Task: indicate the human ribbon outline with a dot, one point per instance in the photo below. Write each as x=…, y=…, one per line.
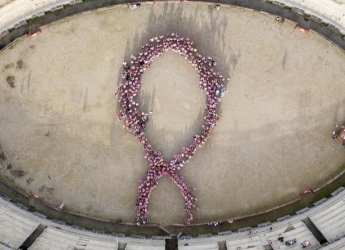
x=211, y=82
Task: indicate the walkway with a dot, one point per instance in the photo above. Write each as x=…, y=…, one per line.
x=17, y=11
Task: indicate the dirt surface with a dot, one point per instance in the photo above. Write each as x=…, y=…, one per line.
x=4, y=2
x=58, y=131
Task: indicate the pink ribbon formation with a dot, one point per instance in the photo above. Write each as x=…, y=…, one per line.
x=211, y=82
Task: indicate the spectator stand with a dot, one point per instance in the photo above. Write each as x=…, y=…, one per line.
x=145, y=246
x=4, y=247
x=336, y=245
x=297, y=231
x=14, y=228
x=287, y=226
x=331, y=220
x=328, y=11
x=15, y=13
x=199, y=246
x=60, y=228
x=59, y=239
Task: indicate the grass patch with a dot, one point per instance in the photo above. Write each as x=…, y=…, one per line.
x=33, y=20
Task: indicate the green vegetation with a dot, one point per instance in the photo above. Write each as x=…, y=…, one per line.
x=33, y=20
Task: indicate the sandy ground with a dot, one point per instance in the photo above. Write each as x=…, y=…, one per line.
x=58, y=131
x=4, y=2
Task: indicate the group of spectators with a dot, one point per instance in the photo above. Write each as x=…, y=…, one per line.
x=214, y=224
x=339, y=133
x=211, y=82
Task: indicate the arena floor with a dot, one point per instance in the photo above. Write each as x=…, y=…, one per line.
x=59, y=132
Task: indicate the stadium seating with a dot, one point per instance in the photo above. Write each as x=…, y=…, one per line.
x=297, y=231
x=337, y=245
x=3, y=247
x=53, y=238
x=199, y=246
x=260, y=239
x=144, y=246
x=254, y=242
x=14, y=228
x=331, y=221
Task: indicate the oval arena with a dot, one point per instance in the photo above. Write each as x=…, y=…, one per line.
x=70, y=169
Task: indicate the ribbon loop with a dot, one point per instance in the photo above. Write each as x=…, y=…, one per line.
x=211, y=82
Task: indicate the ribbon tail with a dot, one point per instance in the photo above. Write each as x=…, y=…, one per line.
x=186, y=193
x=144, y=192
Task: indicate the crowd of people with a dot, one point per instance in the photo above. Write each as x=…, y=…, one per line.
x=280, y=19
x=214, y=224
x=339, y=133
x=211, y=82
